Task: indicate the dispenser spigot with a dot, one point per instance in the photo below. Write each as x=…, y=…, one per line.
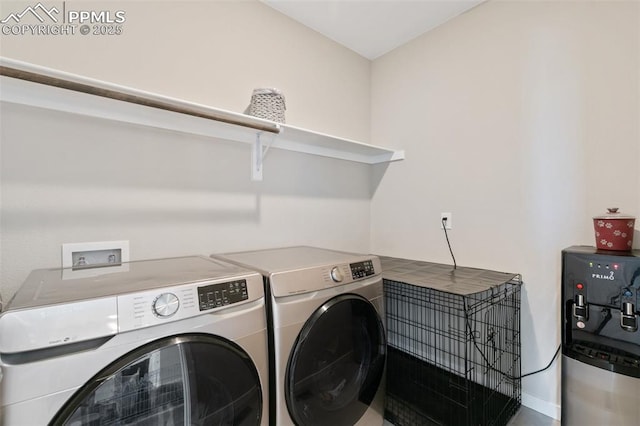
x=580, y=310
x=628, y=320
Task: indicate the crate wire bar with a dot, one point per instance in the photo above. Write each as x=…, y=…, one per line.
x=454, y=344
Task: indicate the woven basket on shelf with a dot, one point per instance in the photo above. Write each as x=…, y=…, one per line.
x=267, y=104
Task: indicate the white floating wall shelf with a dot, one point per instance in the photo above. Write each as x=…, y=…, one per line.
x=28, y=84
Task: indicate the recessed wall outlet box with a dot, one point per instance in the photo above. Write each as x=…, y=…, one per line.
x=95, y=255
x=447, y=217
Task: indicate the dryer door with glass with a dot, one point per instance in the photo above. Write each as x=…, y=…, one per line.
x=337, y=363
x=192, y=379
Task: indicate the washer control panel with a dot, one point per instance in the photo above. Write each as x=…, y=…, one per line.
x=362, y=269
x=336, y=275
x=153, y=307
x=165, y=305
x=216, y=295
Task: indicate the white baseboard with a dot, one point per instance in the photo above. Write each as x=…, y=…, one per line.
x=545, y=407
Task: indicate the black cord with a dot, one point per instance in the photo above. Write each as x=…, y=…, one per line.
x=473, y=337
x=475, y=343
x=542, y=369
x=444, y=226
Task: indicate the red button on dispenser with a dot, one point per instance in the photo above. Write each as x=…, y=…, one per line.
x=579, y=286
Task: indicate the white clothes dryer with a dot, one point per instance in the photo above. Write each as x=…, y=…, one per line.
x=328, y=337
x=158, y=342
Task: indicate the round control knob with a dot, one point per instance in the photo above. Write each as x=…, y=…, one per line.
x=336, y=275
x=166, y=305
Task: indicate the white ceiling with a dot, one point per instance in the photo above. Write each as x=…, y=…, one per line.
x=372, y=27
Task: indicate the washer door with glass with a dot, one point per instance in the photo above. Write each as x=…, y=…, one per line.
x=336, y=364
x=193, y=379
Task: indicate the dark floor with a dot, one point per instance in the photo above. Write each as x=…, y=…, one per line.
x=524, y=417
x=528, y=417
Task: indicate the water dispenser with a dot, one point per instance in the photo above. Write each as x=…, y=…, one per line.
x=600, y=337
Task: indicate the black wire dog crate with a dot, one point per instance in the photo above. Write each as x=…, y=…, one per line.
x=453, y=344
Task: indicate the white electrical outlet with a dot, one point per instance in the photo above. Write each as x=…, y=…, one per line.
x=448, y=217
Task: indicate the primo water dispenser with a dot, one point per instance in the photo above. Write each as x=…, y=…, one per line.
x=600, y=337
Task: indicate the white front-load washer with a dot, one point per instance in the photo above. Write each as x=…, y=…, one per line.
x=327, y=335
x=157, y=342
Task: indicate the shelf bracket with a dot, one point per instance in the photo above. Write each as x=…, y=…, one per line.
x=258, y=153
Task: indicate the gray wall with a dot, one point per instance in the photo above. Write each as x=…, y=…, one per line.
x=67, y=178
x=522, y=119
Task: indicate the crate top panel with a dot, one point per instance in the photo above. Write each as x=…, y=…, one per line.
x=462, y=280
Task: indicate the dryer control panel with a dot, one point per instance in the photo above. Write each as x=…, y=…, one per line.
x=317, y=278
x=362, y=269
